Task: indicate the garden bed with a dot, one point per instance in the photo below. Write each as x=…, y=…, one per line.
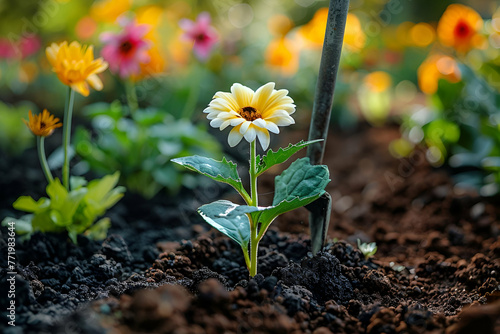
x=161, y=270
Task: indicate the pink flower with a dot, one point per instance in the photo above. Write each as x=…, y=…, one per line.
x=201, y=33
x=7, y=49
x=29, y=45
x=126, y=51
x=22, y=48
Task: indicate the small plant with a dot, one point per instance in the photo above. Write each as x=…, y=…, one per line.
x=72, y=205
x=368, y=249
x=154, y=136
x=253, y=115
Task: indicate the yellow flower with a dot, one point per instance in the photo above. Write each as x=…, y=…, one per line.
x=378, y=81
x=354, y=36
x=279, y=25
x=75, y=66
x=109, y=10
x=314, y=31
x=459, y=27
x=253, y=114
x=283, y=55
x=422, y=34
x=434, y=68
x=42, y=124
x=155, y=66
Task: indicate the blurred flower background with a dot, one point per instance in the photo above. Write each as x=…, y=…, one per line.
x=431, y=66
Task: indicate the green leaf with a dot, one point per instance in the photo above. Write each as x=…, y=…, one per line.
x=230, y=219
x=221, y=171
x=299, y=185
x=22, y=225
x=300, y=180
x=99, y=230
x=28, y=204
x=77, y=182
x=283, y=154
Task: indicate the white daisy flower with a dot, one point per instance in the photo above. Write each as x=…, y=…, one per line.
x=252, y=114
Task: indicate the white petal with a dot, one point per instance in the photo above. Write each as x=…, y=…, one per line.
x=242, y=94
x=278, y=113
x=234, y=137
x=225, y=124
x=237, y=121
x=225, y=114
x=262, y=95
x=282, y=120
x=220, y=104
x=272, y=127
x=244, y=127
x=213, y=114
x=264, y=138
x=259, y=122
x=215, y=123
x=250, y=134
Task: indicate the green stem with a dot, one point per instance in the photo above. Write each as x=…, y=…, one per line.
x=254, y=247
x=40, y=141
x=68, y=115
x=253, y=173
x=131, y=96
x=245, y=254
x=254, y=241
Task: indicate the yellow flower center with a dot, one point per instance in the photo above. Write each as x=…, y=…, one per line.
x=249, y=113
x=42, y=125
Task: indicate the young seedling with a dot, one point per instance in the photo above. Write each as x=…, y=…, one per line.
x=368, y=249
x=253, y=115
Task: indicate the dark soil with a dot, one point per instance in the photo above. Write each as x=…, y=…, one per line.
x=436, y=270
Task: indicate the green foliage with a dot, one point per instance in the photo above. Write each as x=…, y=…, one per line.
x=74, y=211
x=221, y=171
x=140, y=147
x=299, y=185
x=230, y=219
x=283, y=154
x=462, y=129
x=15, y=137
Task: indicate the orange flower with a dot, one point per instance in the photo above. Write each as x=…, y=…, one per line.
x=109, y=10
x=378, y=81
x=314, y=31
x=434, y=68
x=354, y=36
x=75, y=66
x=459, y=28
x=43, y=124
x=156, y=65
x=282, y=54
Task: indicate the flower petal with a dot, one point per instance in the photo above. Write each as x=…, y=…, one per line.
x=262, y=95
x=264, y=138
x=250, y=134
x=242, y=94
x=244, y=127
x=234, y=137
x=272, y=127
